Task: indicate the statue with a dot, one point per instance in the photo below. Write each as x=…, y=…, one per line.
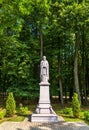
x=44, y=111
x=44, y=70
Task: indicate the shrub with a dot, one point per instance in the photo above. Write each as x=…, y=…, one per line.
x=10, y=105
x=86, y=115
x=76, y=106
x=67, y=111
x=2, y=114
x=23, y=110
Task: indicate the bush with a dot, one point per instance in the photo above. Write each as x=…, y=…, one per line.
x=23, y=110
x=76, y=106
x=86, y=115
x=67, y=111
x=10, y=105
x=2, y=114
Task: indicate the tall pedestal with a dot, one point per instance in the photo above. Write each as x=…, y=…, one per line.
x=44, y=111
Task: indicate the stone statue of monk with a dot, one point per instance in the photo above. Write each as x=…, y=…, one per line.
x=44, y=70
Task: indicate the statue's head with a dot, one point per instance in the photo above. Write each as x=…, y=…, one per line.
x=44, y=57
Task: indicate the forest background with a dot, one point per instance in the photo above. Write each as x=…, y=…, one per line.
x=58, y=29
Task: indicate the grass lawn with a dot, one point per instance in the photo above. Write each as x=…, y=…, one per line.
x=17, y=117
x=57, y=108
x=69, y=116
x=14, y=118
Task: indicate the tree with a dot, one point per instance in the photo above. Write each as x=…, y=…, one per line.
x=41, y=11
x=10, y=105
x=76, y=106
x=57, y=29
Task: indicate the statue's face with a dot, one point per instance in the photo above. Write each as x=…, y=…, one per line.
x=44, y=57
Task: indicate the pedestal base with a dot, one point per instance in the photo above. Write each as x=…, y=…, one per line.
x=44, y=118
x=44, y=111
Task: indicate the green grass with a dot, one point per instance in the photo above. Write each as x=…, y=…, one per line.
x=69, y=117
x=56, y=107
x=15, y=118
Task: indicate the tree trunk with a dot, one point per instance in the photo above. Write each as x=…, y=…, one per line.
x=76, y=80
x=65, y=78
x=87, y=77
x=84, y=66
x=41, y=41
x=60, y=81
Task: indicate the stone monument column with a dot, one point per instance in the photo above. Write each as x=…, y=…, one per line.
x=44, y=111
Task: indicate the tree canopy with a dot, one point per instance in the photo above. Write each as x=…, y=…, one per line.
x=58, y=29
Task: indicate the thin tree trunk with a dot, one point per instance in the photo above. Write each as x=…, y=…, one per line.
x=65, y=81
x=41, y=41
x=76, y=80
x=60, y=82
x=87, y=76
x=71, y=88
x=83, y=66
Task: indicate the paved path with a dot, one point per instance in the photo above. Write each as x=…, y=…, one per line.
x=26, y=125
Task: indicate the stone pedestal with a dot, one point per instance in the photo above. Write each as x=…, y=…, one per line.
x=44, y=111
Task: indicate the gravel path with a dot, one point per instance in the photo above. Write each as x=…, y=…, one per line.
x=60, y=125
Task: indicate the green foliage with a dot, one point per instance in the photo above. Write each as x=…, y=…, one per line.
x=2, y=114
x=10, y=105
x=21, y=24
x=86, y=115
x=76, y=106
x=23, y=110
x=68, y=111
